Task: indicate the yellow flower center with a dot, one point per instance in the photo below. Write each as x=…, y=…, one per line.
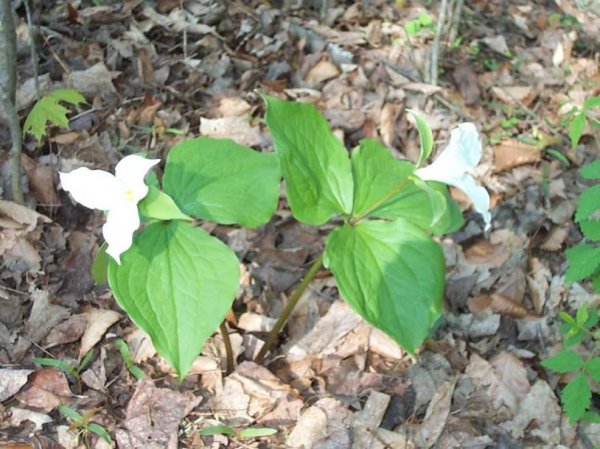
x=129, y=195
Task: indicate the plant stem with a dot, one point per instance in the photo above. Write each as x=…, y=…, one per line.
x=313, y=270
x=228, y=347
x=8, y=82
x=383, y=200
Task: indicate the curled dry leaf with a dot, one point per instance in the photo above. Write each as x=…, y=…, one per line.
x=97, y=324
x=498, y=303
x=11, y=381
x=555, y=238
x=511, y=153
x=47, y=389
x=324, y=70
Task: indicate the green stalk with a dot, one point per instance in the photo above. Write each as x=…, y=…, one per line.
x=228, y=347
x=313, y=270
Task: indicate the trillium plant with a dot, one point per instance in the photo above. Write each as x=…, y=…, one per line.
x=177, y=282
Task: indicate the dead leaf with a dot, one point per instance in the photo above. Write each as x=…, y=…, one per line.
x=44, y=315
x=18, y=416
x=233, y=107
x=512, y=372
x=23, y=216
x=98, y=322
x=47, y=388
x=254, y=322
x=41, y=180
x=498, y=44
x=324, y=70
x=152, y=417
x=237, y=128
x=11, y=381
x=68, y=331
x=511, y=153
x=466, y=80
x=437, y=414
x=539, y=407
x=498, y=303
x=538, y=282
x=484, y=252
x=324, y=424
x=92, y=81
x=515, y=95
x=555, y=238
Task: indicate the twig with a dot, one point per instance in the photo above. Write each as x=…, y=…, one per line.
x=314, y=269
x=33, y=49
x=228, y=347
x=8, y=87
x=455, y=21
x=435, y=46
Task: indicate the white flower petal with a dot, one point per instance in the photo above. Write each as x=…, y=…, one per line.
x=121, y=223
x=130, y=172
x=453, y=164
x=95, y=189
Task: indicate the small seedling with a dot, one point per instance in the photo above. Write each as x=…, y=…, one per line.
x=48, y=110
x=579, y=117
x=423, y=22
x=83, y=423
x=244, y=434
x=129, y=363
x=72, y=370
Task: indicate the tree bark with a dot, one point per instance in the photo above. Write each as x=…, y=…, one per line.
x=8, y=89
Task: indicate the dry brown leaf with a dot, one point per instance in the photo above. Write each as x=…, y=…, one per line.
x=44, y=316
x=25, y=217
x=11, y=381
x=484, y=252
x=47, y=389
x=237, y=128
x=512, y=372
x=254, y=322
x=233, y=107
x=511, y=153
x=485, y=377
x=466, y=80
x=68, y=331
x=152, y=417
x=538, y=415
x=92, y=81
x=538, y=282
x=498, y=303
x=437, y=414
x=41, y=180
x=324, y=70
x=387, y=123
x=97, y=324
x=555, y=238
x=515, y=95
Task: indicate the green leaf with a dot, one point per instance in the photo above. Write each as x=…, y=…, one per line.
x=588, y=203
x=583, y=261
x=425, y=19
x=160, y=206
x=596, y=282
x=425, y=136
x=576, y=398
x=256, y=432
x=420, y=203
x=564, y=361
x=567, y=318
x=591, y=417
x=392, y=274
x=590, y=229
x=593, y=102
x=176, y=283
x=314, y=163
x=129, y=363
x=100, y=431
x=582, y=315
x=376, y=176
x=48, y=109
x=591, y=171
x=219, y=429
x=593, y=368
x=576, y=128
x=70, y=413
x=100, y=266
x=221, y=181
x=412, y=27
x=56, y=363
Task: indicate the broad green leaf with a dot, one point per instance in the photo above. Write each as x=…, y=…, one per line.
x=425, y=19
x=588, y=203
x=576, y=398
x=221, y=181
x=100, y=266
x=412, y=27
x=593, y=102
x=160, y=206
x=176, y=283
x=564, y=361
x=582, y=315
x=314, y=163
x=219, y=429
x=590, y=229
x=425, y=137
x=48, y=109
x=591, y=417
x=591, y=171
x=596, y=282
x=392, y=274
x=576, y=128
x=256, y=432
x=593, y=368
x=420, y=203
x=100, y=431
x=378, y=176
x=583, y=261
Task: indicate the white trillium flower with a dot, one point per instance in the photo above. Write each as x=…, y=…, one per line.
x=453, y=164
x=118, y=194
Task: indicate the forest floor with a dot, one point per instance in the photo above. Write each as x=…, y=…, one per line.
x=156, y=73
